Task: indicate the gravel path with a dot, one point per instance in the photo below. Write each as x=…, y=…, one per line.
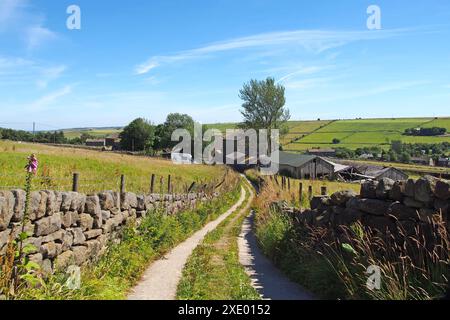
x=160, y=280
x=266, y=278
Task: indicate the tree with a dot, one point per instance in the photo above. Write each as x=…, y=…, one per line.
x=174, y=121
x=405, y=157
x=336, y=141
x=264, y=105
x=397, y=146
x=138, y=136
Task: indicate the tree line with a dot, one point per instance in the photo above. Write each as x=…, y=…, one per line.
x=426, y=132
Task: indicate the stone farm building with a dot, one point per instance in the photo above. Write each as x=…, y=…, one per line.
x=305, y=166
x=95, y=143
x=378, y=173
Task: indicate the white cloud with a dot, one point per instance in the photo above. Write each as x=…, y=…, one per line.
x=50, y=98
x=315, y=41
x=354, y=94
x=37, y=35
x=9, y=10
x=302, y=71
x=50, y=74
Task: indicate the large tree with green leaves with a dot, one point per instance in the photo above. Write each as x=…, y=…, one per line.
x=174, y=121
x=138, y=136
x=264, y=105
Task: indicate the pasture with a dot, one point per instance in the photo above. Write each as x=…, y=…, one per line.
x=355, y=134
x=98, y=170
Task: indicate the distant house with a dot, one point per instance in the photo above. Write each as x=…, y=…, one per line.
x=322, y=152
x=113, y=141
x=443, y=162
x=96, y=143
x=366, y=156
x=426, y=161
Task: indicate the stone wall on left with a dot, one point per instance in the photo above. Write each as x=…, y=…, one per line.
x=70, y=228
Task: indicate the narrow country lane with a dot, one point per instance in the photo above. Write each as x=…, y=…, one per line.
x=161, y=278
x=266, y=278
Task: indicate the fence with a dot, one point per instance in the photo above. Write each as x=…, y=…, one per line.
x=118, y=182
x=304, y=193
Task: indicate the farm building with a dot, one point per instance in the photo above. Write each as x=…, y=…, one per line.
x=95, y=142
x=302, y=166
x=322, y=152
x=113, y=141
x=377, y=173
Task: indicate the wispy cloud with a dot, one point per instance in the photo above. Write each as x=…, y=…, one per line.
x=355, y=94
x=18, y=70
x=303, y=71
x=50, y=98
x=50, y=74
x=38, y=35
x=9, y=10
x=315, y=41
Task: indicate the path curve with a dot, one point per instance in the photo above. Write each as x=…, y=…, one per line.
x=265, y=277
x=161, y=279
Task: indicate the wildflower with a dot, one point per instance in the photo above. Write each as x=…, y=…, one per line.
x=32, y=165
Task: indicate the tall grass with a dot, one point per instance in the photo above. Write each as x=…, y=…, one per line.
x=98, y=170
x=333, y=265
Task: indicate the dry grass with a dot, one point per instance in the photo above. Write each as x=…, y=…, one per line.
x=98, y=170
x=333, y=265
x=291, y=191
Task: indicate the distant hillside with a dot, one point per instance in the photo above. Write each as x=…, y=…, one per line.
x=100, y=132
x=355, y=134
x=305, y=135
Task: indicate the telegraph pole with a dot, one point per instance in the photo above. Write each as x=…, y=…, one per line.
x=34, y=130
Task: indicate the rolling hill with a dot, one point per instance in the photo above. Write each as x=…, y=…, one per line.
x=355, y=134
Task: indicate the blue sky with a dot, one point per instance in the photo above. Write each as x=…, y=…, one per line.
x=147, y=58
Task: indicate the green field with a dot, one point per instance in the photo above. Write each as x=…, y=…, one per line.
x=355, y=134
x=98, y=133
x=98, y=170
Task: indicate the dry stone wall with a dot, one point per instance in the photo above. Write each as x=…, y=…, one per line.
x=384, y=206
x=70, y=228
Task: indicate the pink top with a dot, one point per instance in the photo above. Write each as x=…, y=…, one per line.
x=33, y=165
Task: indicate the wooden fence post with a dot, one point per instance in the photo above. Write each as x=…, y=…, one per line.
x=75, y=180
x=300, y=193
x=152, y=184
x=324, y=191
x=191, y=187
x=169, y=184
x=310, y=192
x=289, y=184
x=122, y=184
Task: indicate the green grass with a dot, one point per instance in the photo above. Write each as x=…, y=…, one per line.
x=213, y=271
x=122, y=266
x=278, y=240
x=304, y=135
x=98, y=133
x=98, y=170
x=369, y=132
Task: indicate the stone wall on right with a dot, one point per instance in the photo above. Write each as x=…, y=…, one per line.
x=386, y=206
